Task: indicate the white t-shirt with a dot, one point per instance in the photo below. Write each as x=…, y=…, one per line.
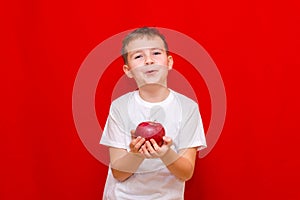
x=182, y=122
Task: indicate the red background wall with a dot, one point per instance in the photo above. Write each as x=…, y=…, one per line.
x=255, y=45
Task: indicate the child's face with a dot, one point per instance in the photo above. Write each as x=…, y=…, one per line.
x=148, y=61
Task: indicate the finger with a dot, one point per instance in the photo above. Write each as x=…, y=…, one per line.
x=153, y=141
x=167, y=140
x=150, y=149
x=136, y=144
x=133, y=148
x=132, y=132
x=154, y=144
x=145, y=151
x=134, y=141
x=140, y=141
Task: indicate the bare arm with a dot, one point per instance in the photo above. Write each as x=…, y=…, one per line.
x=124, y=163
x=180, y=164
x=183, y=166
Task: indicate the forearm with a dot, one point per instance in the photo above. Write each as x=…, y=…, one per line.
x=180, y=166
x=124, y=164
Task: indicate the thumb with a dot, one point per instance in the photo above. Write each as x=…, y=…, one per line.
x=167, y=140
x=132, y=132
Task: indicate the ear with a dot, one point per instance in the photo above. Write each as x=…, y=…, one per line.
x=127, y=71
x=170, y=62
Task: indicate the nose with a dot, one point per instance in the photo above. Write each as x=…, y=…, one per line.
x=149, y=60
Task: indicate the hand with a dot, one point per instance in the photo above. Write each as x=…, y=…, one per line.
x=136, y=143
x=153, y=150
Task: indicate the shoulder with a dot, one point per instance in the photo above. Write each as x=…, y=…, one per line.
x=122, y=100
x=187, y=105
x=119, y=106
x=184, y=100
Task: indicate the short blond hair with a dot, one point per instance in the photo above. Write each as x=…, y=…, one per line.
x=140, y=33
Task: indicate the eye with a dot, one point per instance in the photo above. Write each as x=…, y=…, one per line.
x=157, y=53
x=137, y=56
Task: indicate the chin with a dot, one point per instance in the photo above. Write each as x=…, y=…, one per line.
x=150, y=84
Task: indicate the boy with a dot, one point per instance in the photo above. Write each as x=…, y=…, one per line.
x=142, y=169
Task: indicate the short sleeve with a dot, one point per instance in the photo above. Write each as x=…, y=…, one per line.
x=191, y=130
x=114, y=134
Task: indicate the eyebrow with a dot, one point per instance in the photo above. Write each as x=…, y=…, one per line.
x=141, y=50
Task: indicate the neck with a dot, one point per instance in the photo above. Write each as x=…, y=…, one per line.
x=154, y=93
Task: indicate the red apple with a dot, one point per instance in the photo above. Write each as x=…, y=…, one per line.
x=151, y=130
